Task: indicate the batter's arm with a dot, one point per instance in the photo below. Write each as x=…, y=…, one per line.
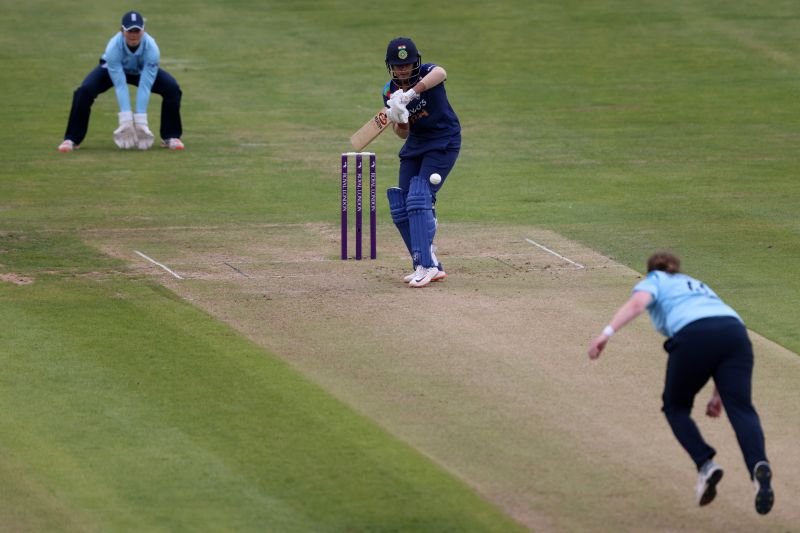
x=401, y=130
x=433, y=78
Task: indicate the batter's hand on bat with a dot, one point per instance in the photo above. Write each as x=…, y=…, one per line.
x=395, y=98
x=397, y=113
x=407, y=96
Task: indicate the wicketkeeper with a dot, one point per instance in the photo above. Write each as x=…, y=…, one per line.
x=131, y=57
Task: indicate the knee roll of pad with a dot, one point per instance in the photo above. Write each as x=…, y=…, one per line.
x=419, y=195
x=397, y=204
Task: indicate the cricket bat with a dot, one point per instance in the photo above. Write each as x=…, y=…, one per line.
x=369, y=131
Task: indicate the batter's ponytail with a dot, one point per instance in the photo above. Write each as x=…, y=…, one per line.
x=665, y=262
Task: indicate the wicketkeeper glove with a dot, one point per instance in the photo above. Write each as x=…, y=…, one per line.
x=125, y=135
x=143, y=134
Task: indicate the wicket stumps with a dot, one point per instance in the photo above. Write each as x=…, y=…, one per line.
x=359, y=156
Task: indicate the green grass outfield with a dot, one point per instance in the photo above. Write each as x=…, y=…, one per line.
x=627, y=126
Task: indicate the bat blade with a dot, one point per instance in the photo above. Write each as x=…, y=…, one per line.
x=369, y=131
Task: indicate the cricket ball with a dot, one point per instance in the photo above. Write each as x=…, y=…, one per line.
x=435, y=179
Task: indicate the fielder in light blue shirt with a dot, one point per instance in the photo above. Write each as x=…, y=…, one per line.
x=131, y=58
x=706, y=340
x=120, y=60
x=678, y=300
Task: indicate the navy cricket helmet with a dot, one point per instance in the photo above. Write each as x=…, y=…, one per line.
x=403, y=51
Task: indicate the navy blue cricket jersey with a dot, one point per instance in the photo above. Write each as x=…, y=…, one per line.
x=433, y=123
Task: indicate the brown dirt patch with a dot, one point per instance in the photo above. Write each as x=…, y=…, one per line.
x=16, y=279
x=486, y=373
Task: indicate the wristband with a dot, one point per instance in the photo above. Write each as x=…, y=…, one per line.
x=608, y=330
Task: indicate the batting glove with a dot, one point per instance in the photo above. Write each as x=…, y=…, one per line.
x=391, y=112
x=397, y=113
x=143, y=134
x=407, y=96
x=125, y=135
x=396, y=96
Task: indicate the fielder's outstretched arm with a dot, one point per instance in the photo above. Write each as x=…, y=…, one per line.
x=629, y=310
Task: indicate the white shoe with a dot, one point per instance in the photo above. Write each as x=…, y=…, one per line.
x=440, y=275
x=67, y=146
x=710, y=474
x=172, y=144
x=423, y=276
x=762, y=479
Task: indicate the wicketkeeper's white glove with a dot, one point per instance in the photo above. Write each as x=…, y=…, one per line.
x=125, y=135
x=143, y=134
x=407, y=96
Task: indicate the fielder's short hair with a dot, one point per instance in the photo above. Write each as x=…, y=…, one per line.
x=665, y=262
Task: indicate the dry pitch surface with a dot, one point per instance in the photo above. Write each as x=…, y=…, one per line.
x=486, y=373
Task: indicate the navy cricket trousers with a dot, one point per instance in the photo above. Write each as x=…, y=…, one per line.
x=98, y=81
x=717, y=348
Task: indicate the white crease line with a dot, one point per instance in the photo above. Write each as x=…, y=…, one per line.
x=555, y=254
x=159, y=264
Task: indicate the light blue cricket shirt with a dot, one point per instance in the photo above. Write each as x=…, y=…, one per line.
x=679, y=299
x=144, y=62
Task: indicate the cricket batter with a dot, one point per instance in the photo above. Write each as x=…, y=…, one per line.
x=420, y=114
x=131, y=57
x=705, y=339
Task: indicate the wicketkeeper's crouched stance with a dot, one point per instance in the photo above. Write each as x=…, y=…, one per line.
x=131, y=57
x=420, y=113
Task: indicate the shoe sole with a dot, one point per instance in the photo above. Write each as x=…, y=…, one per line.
x=438, y=277
x=765, y=496
x=711, y=488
